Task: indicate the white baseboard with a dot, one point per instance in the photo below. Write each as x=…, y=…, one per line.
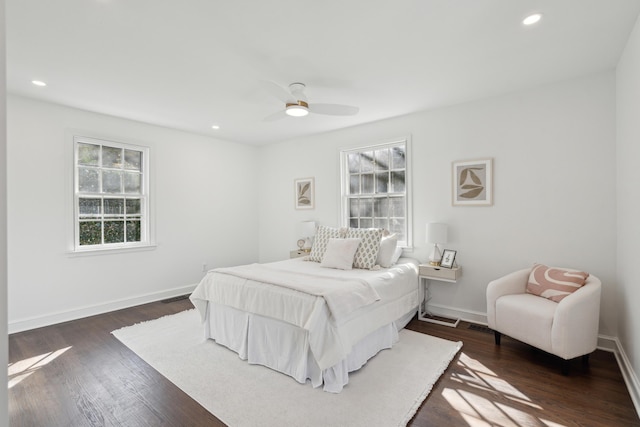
x=629, y=375
x=79, y=313
x=456, y=313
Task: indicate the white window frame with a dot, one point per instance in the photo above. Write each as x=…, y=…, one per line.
x=145, y=237
x=344, y=184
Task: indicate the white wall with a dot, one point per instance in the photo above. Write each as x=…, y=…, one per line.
x=203, y=194
x=3, y=222
x=554, y=164
x=628, y=151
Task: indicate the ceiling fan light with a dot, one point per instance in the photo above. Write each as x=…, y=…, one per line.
x=299, y=109
x=532, y=19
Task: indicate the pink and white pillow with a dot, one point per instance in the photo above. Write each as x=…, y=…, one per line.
x=554, y=283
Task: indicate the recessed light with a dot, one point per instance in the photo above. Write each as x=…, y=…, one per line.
x=216, y=127
x=38, y=83
x=532, y=19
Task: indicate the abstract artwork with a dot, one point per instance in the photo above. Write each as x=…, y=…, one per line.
x=472, y=183
x=304, y=193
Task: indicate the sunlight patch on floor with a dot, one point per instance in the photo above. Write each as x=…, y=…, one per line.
x=22, y=369
x=483, y=410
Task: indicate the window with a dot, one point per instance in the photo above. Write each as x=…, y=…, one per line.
x=111, y=195
x=375, y=188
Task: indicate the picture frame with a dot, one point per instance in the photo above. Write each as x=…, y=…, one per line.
x=448, y=258
x=472, y=182
x=304, y=193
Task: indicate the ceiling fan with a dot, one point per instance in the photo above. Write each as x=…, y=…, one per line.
x=297, y=105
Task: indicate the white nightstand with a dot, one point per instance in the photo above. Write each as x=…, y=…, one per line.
x=426, y=274
x=297, y=254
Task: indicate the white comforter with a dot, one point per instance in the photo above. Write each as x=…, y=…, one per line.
x=299, y=293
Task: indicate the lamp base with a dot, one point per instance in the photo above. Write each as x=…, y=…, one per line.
x=435, y=263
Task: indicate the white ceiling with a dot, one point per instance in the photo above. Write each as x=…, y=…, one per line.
x=189, y=64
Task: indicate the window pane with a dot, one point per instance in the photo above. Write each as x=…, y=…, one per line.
x=382, y=182
x=133, y=160
x=90, y=233
x=354, y=184
x=366, y=223
x=353, y=223
x=133, y=207
x=89, y=206
x=381, y=223
x=133, y=231
x=398, y=157
x=114, y=207
x=366, y=208
x=353, y=161
x=114, y=231
x=88, y=154
x=397, y=207
x=366, y=161
x=88, y=180
x=112, y=157
x=382, y=159
x=367, y=183
x=397, y=182
x=111, y=182
x=381, y=207
x=132, y=183
x=354, y=207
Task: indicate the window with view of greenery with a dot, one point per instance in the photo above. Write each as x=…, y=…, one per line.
x=111, y=194
x=375, y=188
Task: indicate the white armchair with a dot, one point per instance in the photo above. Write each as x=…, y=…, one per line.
x=567, y=329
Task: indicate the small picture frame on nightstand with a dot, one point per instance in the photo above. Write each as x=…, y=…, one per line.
x=448, y=258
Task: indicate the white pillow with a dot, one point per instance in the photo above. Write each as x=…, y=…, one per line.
x=387, y=249
x=396, y=255
x=339, y=253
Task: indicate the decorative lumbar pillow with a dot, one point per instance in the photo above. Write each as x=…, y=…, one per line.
x=340, y=253
x=387, y=249
x=555, y=283
x=323, y=234
x=367, y=252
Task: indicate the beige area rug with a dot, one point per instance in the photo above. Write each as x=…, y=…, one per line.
x=386, y=392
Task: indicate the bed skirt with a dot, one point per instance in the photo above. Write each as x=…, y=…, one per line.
x=285, y=348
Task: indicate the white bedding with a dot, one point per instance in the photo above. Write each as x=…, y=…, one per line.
x=329, y=341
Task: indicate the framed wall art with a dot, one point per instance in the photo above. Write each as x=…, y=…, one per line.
x=472, y=183
x=304, y=193
x=448, y=258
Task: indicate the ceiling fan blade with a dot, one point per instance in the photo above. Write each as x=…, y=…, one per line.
x=275, y=116
x=334, y=109
x=276, y=90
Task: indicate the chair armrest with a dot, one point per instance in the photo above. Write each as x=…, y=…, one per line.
x=575, y=325
x=513, y=283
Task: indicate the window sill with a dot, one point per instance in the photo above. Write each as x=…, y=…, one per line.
x=109, y=251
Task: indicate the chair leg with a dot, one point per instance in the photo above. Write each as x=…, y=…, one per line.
x=565, y=367
x=585, y=359
x=497, y=336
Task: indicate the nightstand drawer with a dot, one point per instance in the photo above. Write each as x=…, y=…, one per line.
x=298, y=254
x=439, y=272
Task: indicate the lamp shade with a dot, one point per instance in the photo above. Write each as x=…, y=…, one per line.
x=307, y=228
x=436, y=233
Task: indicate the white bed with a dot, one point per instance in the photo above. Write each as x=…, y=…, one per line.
x=305, y=332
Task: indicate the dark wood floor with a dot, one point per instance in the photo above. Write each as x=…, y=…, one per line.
x=78, y=374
